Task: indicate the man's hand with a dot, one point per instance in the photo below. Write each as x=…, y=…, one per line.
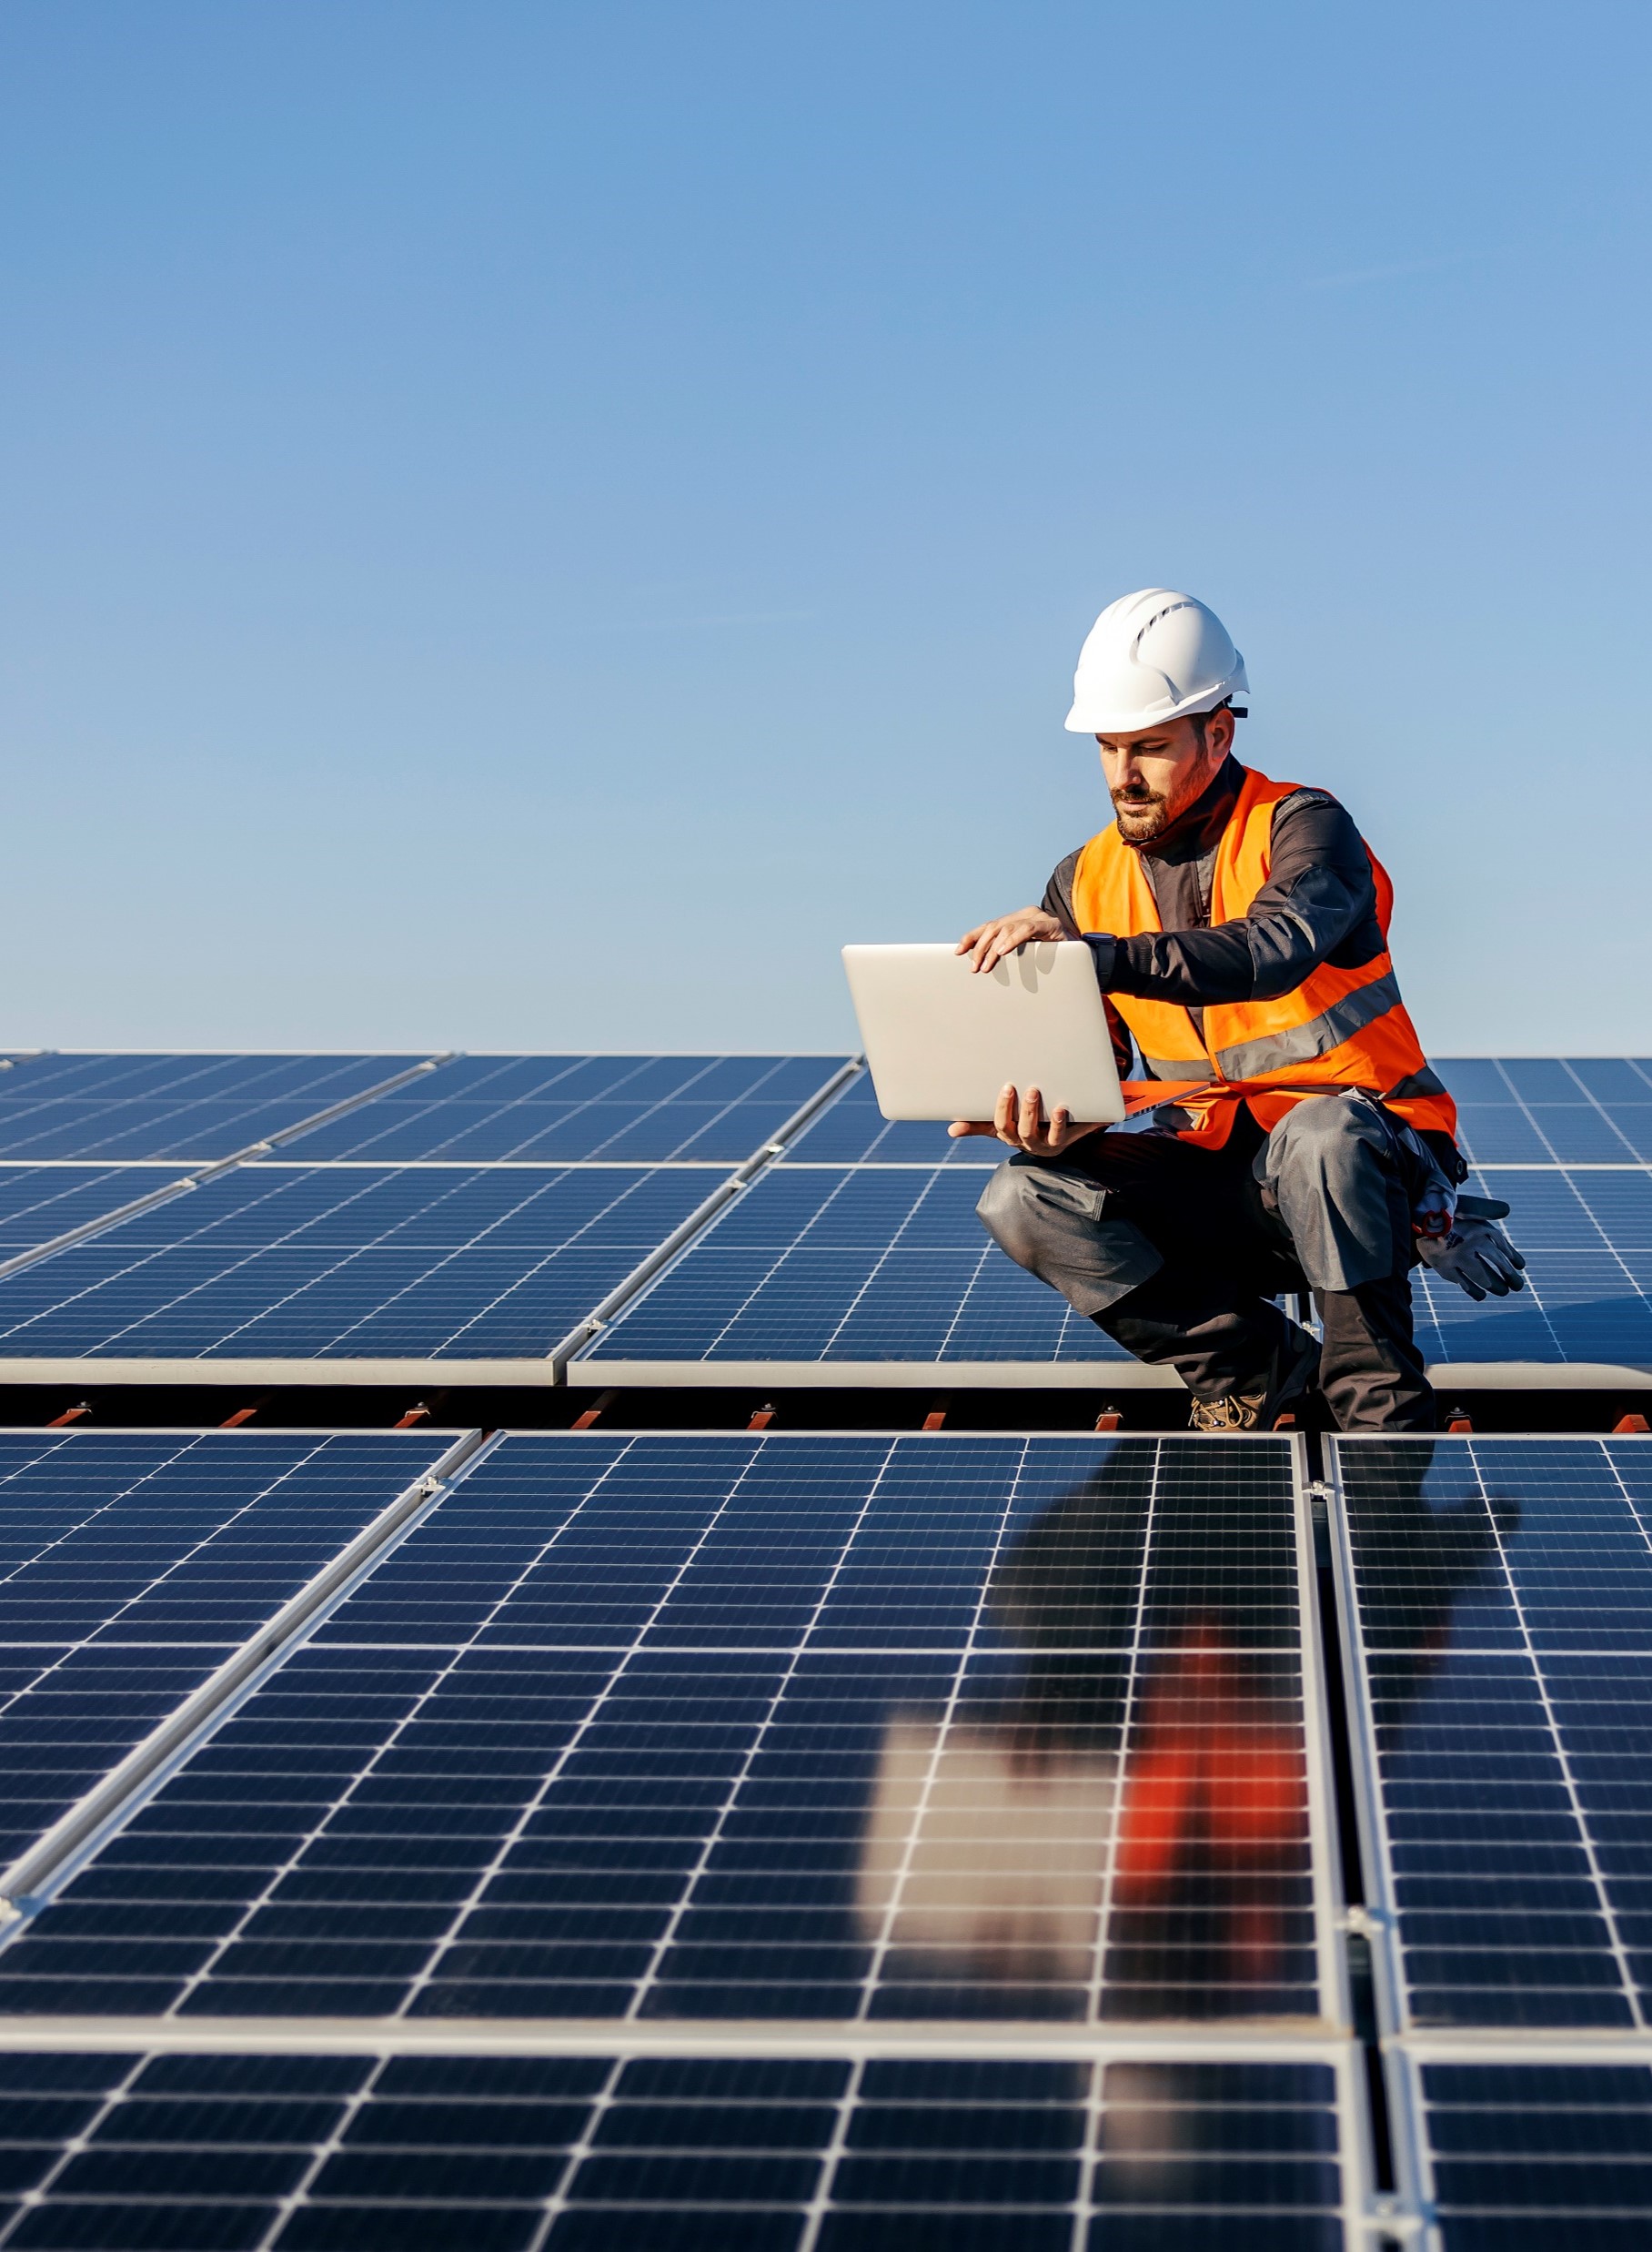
x=1477, y=1256
x=990, y=941
x=1020, y=1121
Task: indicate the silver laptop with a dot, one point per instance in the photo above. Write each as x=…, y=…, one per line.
x=941, y=1041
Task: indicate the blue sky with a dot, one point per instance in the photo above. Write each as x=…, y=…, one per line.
x=531, y=524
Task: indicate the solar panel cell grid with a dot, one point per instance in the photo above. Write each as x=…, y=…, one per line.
x=38, y=1203
x=131, y=1567
x=643, y=1109
x=1527, y=2156
x=295, y=1261
x=853, y=1130
x=1542, y=1110
x=731, y=1728
x=846, y=1263
x=1505, y=1606
x=483, y=2154
x=1587, y=1241
x=191, y=1107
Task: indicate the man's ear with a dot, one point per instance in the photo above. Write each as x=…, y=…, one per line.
x=1219, y=733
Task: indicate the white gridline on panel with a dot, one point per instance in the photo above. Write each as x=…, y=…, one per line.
x=960, y=1654
x=15, y=1106
x=1440, y=1299
x=486, y=1114
x=290, y=1170
x=1393, y=1988
x=202, y=1655
x=1095, y=2102
x=986, y=1268
x=1585, y=1094
x=1406, y=2059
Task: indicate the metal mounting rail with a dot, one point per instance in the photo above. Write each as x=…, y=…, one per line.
x=36, y=1875
x=682, y=1237
x=202, y=1174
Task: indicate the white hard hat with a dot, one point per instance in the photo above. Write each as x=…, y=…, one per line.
x=1152, y=657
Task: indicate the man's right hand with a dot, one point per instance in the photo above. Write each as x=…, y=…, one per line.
x=989, y=942
x=1020, y=1121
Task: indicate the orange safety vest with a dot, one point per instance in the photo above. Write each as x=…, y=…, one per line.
x=1339, y=1029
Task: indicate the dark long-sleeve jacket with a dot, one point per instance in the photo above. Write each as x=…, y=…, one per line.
x=1319, y=904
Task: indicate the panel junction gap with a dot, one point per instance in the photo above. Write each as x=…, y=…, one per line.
x=1361, y=1993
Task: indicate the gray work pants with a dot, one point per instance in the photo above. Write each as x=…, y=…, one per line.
x=1177, y=1252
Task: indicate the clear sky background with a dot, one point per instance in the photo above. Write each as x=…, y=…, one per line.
x=529, y=524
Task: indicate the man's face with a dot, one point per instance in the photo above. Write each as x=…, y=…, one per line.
x=1153, y=776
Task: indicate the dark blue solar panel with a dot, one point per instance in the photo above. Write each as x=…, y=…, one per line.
x=826, y=1263
x=853, y=1130
x=191, y=1107
x=1526, y=2158
x=1587, y=1241
x=1504, y=1602
x=1546, y=1110
x=643, y=1109
x=39, y=1202
x=714, y=2153
x=293, y=1261
x=133, y=1565
x=731, y=1727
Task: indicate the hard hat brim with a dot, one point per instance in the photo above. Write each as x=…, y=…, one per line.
x=1086, y=719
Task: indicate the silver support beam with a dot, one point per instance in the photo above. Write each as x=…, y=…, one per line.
x=199, y=1176
x=700, y=1218
x=37, y=1874
x=1329, y=1906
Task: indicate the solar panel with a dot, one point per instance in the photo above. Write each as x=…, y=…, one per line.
x=1587, y=1241
x=853, y=1130
x=1549, y=1110
x=641, y=1109
x=756, y=2153
x=717, y=1727
x=190, y=1107
x=1504, y=1684
x=289, y=1261
x=1520, y=1110
x=38, y=1203
x=1524, y=2157
x=133, y=1565
x=852, y=1263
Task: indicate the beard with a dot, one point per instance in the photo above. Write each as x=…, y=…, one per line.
x=1143, y=814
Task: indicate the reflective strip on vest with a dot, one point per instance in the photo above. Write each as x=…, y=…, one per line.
x=1178, y=1067
x=1254, y=1059
x=1337, y=1029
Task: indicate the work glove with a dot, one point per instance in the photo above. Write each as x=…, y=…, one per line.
x=1477, y=1255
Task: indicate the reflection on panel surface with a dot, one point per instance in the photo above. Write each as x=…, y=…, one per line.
x=838, y=1263
x=188, y=1107
x=1527, y=2156
x=133, y=1565
x=787, y=1728
x=639, y=1109
x=1505, y=1604
x=585, y=2153
x=291, y=1261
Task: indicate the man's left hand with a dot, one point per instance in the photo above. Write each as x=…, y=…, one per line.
x=1477, y=1256
x=1019, y=1120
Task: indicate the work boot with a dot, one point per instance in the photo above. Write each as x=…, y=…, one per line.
x=1285, y=1386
